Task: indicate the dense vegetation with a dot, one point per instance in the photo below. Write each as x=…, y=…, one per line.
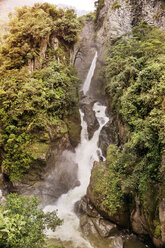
x=22, y=224
x=29, y=26
x=38, y=85
x=135, y=84
x=99, y=4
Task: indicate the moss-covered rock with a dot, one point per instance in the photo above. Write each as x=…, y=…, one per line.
x=57, y=129
x=39, y=150
x=99, y=193
x=73, y=124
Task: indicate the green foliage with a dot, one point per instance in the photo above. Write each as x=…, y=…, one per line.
x=30, y=26
x=90, y=17
x=99, y=4
x=107, y=184
x=135, y=81
x=22, y=224
x=116, y=5
x=158, y=230
x=31, y=103
x=67, y=27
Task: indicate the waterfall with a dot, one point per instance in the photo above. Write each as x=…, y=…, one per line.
x=85, y=154
x=90, y=74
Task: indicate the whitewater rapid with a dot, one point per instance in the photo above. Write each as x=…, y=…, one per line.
x=84, y=156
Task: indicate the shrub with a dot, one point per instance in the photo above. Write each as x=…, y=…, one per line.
x=135, y=81
x=22, y=224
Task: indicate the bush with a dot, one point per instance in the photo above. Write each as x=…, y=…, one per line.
x=32, y=102
x=99, y=4
x=135, y=81
x=22, y=224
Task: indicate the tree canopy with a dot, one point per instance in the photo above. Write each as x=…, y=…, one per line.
x=22, y=224
x=135, y=84
x=34, y=100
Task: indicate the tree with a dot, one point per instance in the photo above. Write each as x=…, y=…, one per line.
x=22, y=223
x=32, y=102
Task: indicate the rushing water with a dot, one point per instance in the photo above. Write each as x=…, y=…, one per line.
x=85, y=154
x=90, y=74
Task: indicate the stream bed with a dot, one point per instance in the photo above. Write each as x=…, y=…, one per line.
x=69, y=234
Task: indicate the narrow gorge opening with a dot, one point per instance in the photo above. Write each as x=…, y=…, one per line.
x=92, y=150
x=84, y=156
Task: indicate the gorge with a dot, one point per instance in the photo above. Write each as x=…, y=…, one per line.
x=89, y=144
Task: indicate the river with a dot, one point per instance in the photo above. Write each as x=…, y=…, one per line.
x=86, y=153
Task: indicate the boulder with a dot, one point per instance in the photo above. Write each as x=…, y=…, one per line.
x=92, y=221
x=137, y=219
x=84, y=206
x=121, y=217
x=107, y=135
x=86, y=105
x=105, y=228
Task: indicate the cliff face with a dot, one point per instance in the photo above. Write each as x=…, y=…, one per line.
x=117, y=18
x=84, y=50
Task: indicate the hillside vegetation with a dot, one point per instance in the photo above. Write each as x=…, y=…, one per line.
x=38, y=98
x=38, y=85
x=135, y=85
x=22, y=224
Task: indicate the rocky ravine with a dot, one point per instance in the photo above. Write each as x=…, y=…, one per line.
x=115, y=19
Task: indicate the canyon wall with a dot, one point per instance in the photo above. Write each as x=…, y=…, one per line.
x=115, y=19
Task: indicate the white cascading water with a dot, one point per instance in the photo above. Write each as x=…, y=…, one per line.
x=90, y=74
x=85, y=154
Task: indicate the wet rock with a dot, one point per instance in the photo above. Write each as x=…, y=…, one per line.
x=86, y=104
x=133, y=242
x=98, y=235
x=84, y=50
x=59, y=180
x=51, y=183
x=99, y=226
x=138, y=221
x=105, y=228
x=53, y=173
x=92, y=221
x=101, y=232
x=84, y=206
x=116, y=241
x=107, y=136
x=87, y=225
